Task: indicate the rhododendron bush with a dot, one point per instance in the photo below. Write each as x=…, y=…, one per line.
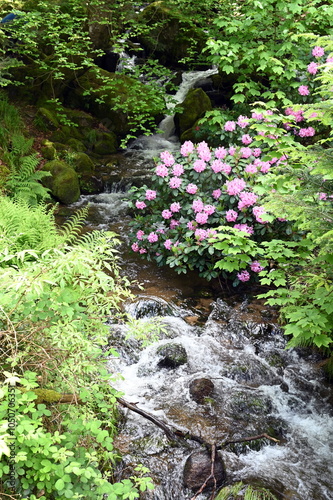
x=192, y=195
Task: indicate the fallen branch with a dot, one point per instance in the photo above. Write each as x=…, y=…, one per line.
x=211, y=476
x=251, y=438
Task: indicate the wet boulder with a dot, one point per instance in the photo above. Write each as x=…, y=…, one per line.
x=172, y=355
x=200, y=389
x=198, y=468
x=195, y=105
x=63, y=181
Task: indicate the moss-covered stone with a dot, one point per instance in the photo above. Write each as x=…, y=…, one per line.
x=63, y=182
x=195, y=105
x=48, y=150
x=89, y=184
x=75, y=145
x=106, y=144
x=46, y=119
x=83, y=164
x=169, y=36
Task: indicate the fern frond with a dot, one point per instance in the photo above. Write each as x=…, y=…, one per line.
x=248, y=492
x=72, y=227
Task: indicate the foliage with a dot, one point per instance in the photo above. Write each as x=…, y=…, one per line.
x=248, y=492
x=192, y=194
x=302, y=192
x=261, y=45
x=57, y=290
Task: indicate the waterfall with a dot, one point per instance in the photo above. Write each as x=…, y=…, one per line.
x=150, y=146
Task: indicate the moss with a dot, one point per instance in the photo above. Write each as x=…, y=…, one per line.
x=75, y=144
x=63, y=182
x=106, y=144
x=83, y=164
x=44, y=395
x=46, y=119
x=48, y=150
x=195, y=105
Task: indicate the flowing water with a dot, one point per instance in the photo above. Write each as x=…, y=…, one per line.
x=230, y=340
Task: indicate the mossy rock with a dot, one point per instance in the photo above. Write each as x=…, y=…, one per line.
x=63, y=182
x=76, y=145
x=172, y=355
x=62, y=134
x=83, y=164
x=195, y=105
x=169, y=36
x=48, y=150
x=112, y=98
x=46, y=119
x=106, y=144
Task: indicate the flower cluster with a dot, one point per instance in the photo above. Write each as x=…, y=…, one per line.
x=195, y=192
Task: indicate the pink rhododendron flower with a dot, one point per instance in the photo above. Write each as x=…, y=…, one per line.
x=175, y=182
x=191, y=188
x=166, y=214
x=297, y=114
x=162, y=171
x=191, y=225
x=318, y=51
x=312, y=68
x=167, y=158
x=216, y=193
x=174, y=223
x=168, y=244
x=204, y=151
x=143, y=250
x=217, y=166
x=226, y=168
x=177, y=169
x=161, y=231
x=246, y=199
x=197, y=206
x=209, y=209
x=135, y=247
x=265, y=167
x=235, y=186
x=199, y=166
x=251, y=169
x=175, y=207
x=200, y=234
x=220, y=153
x=258, y=212
x=246, y=139
x=329, y=60
x=257, y=116
x=243, y=276
x=322, y=196
x=187, y=148
x=307, y=132
x=230, y=126
x=246, y=152
x=152, y=237
x=140, y=234
x=256, y=267
x=245, y=228
x=201, y=218
x=256, y=152
x=150, y=194
x=242, y=121
x=231, y=215
x=232, y=150
x=140, y=205
x=304, y=90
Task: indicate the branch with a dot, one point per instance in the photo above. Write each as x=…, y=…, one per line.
x=251, y=438
x=211, y=476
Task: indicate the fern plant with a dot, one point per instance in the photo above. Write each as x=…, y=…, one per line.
x=246, y=492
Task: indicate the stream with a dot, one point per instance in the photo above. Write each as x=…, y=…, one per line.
x=254, y=386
